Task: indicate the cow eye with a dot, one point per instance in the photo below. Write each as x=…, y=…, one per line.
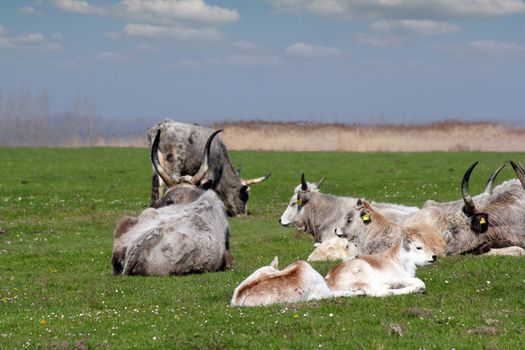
x=419, y=248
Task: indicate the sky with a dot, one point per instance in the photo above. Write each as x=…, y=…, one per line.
x=351, y=61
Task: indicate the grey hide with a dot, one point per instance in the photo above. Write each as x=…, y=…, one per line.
x=181, y=145
x=176, y=239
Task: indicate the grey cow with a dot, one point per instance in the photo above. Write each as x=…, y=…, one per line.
x=185, y=231
x=492, y=222
x=180, y=146
x=320, y=214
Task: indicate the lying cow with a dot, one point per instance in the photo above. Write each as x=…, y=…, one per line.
x=320, y=214
x=390, y=273
x=493, y=220
x=181, y=145
x=269, y=285
x=335, y=248
x=373, y=233
x=186, y=230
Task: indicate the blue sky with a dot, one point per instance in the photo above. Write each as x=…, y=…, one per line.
x=334, y=60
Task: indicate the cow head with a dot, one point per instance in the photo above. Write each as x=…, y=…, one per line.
x=479, y=225
x=182, y=189
x=294, y=213
x=363, y=219
x=418, y=250
x=238, y=194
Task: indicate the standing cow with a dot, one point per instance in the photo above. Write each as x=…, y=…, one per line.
x=185, y=231
x=180, y=147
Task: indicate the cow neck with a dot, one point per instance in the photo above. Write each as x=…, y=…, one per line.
x=322, y=212
x=400, y=257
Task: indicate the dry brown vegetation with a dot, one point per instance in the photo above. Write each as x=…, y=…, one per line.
x=442, y=136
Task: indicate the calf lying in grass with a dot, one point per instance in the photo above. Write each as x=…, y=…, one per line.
x=297, y=282
x=335, y=248
x=389, y=273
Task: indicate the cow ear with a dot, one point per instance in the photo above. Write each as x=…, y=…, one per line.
x=275, y=263
x=406, y=242
x=365, y=216
x=302, y=198
x=480, y=223
x=359, y=204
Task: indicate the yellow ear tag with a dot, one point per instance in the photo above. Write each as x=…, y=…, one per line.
x=366, y=217
x=299, y=201
x=482, y=220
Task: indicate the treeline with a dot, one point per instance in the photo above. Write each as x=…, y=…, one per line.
x=26, y=120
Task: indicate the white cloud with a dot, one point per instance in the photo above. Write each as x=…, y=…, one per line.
x=310, y=51
x=79, y=6
x=345, y=9
x=154, y=11
x=29, y=10
x=30, y=38
x=146, y=48
x=109, y=56
x=252, y=60
x=419, y=27
x=244, y=45
x=379, y=40
x=28, y=41
x=199, y=64
x=495, y=48
x=173, y=10
x=57, y=36
x=173, y=33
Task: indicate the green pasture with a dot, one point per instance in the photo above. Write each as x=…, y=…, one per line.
x=58, y=209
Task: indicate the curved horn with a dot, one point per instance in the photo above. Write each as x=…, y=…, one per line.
x=490, y=181
x=195, y=179
x=304, y=185
x=320, y=182
x=257, y=180
x=520, y=172
x=168, y=179
x=469, y=207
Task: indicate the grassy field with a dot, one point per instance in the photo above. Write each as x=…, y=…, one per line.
x=58, y=209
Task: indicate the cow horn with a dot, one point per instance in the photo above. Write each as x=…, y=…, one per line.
x=304, y=185
x=520, y=172
x=205, y=160
x=320, y=182
x=168, y=179
x=490, y=181
x=257, y=180
x=469, y=208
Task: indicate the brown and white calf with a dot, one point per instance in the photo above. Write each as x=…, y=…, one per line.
x=390, y=273
x=269, y=285
x=185, y=231
x=374, y=233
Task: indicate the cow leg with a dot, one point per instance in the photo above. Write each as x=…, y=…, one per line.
x=412, y=285
x=508, y=251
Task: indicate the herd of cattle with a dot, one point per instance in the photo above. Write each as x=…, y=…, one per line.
x=195, y=187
